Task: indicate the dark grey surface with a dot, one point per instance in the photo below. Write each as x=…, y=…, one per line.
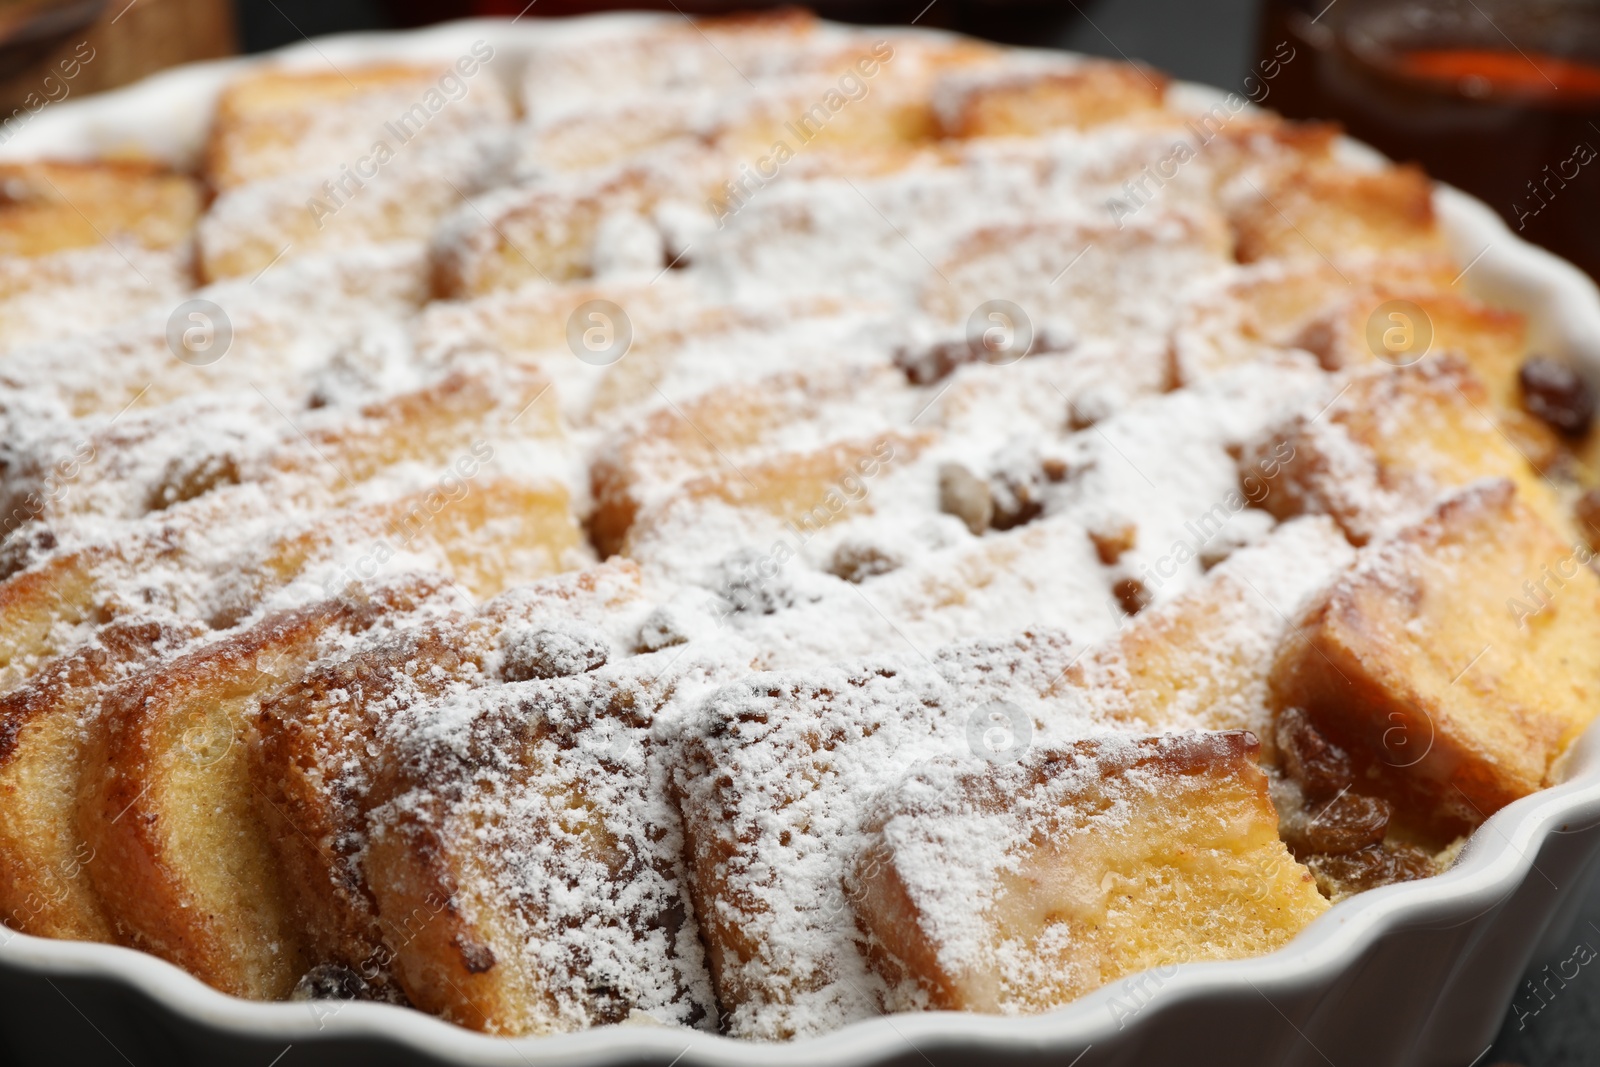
x=1558, y=1024
x=1201, y=40
x=265, y=24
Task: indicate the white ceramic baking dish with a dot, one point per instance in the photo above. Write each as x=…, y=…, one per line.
x=1411, y=975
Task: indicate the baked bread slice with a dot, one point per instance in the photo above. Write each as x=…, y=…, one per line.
x=532, y=844
x=183, y=868
x=44, y=887
x=318, y=159
x=1202, y=660
x=1493, y=341
x=1388, y=443
x=1315, y=211
x=85, y=245
x=50, y=207
x=1274, y=304
x=286, y=329
x=715, y=446
x=447, y=430
x=1018, y=887
x=1026, y=104
x=1451, y=661
x=277, y=120
x=503, y=531
x=328, y=747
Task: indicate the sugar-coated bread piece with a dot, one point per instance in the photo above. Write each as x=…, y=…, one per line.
x=1383, y=447
x=684, y=341
x=505, y=530
x=775, y=778
x=84, y=290
x=44, y=887
x=804, y=114
x=275, y=121
x=771, y=792
x=48, y=207
x=283, y=325
x=1321, y=210
x=451, y=428
x=1247, y=141
x=1093, y=280
x=547, y=232
x=319, y=762
x=681, y=58
x=733, y=428
x=324, y=159
x=569, y=227
x=802, y=490
x=531, y=322
x=668, y=56
x=1456, y=658
x=1271, y=305
x=1493, y=341
x=183, y=867
x=253, y=227
x=1029, y=103
x=1203, y=659
x=43, y=610
x=313, y=766
x=532, y=844
x=1017, y=887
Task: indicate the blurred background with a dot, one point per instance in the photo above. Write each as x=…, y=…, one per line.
x=1499, y=97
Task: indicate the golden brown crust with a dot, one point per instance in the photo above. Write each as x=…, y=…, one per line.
x=1456, y=683
x=1493, y=342
x=314, y=775
x=316, y=761
x=43, y=887
x=1389, y=444
x=40, y=606
x=1123, y=856
x=1321, y=211
x=50, y=207
x=183, y=865
x=264, y=115
x=1032, y=104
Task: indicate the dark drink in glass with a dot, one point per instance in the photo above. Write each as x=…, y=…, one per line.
x=1497, y=97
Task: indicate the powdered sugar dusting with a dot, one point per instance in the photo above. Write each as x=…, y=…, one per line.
x=915, y=446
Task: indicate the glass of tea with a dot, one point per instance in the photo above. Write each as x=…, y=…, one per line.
x=1500, y=98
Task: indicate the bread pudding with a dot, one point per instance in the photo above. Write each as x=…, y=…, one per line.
x=752, y=525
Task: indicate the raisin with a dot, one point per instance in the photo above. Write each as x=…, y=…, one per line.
x=1016, y=501
x=1588, y=512
x=1348, y=823
x=855, y=561
x=1321, y=767
x=966, y=496
x=1555, y=392
x=185, y=480
x=1132, y=595
x=925, y=365
x=332, y=981
x=1369, y=868
x=1112, y=539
